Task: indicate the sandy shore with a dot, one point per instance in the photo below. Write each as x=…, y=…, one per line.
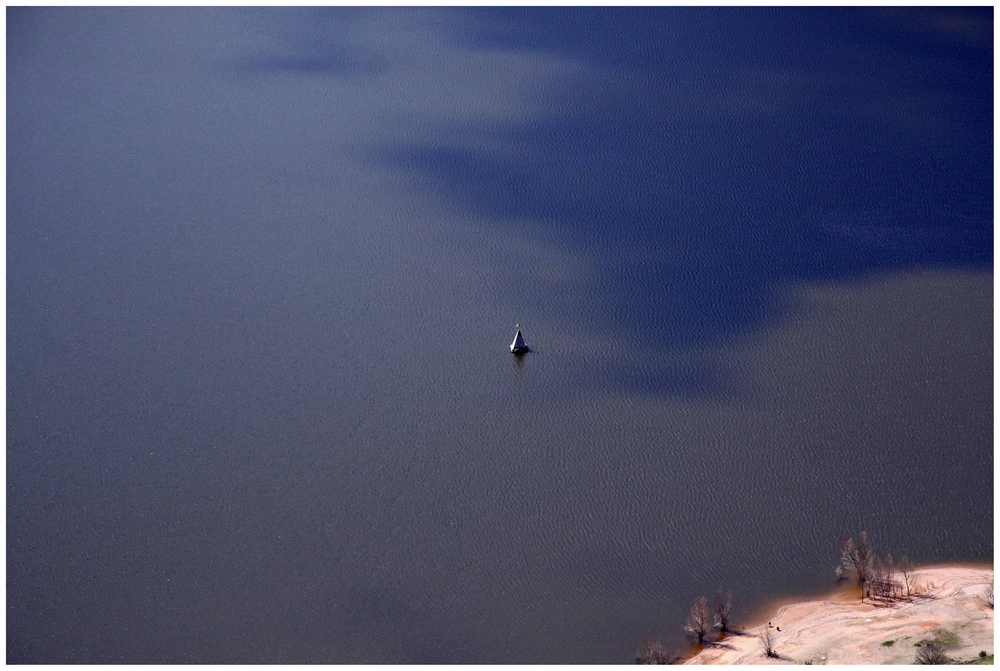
x=949, y=605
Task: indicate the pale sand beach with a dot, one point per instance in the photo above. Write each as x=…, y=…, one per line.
x=949, y=604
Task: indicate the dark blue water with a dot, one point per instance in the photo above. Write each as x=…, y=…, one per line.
x=263, y=267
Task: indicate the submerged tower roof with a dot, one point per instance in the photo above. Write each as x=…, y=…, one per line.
x=518, y=346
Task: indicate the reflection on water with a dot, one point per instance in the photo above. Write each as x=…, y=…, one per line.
x=261, y=404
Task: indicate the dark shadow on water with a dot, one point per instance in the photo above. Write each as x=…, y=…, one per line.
x=743, y=156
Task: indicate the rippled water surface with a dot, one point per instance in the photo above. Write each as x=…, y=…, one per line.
x=263, y=268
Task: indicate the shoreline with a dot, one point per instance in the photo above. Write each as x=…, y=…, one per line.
x=844, y=590
x=836, y=628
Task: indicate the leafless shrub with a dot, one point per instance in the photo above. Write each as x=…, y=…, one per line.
x=989, y=594
x=723, y=606
x=699, y=619
x=767, y=639
x=931, y=653
x=652, y=652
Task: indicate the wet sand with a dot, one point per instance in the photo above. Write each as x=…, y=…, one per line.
x=949, y=604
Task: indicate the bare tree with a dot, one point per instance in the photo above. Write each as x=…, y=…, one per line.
x=908, y=571
x=846, y=563
x=723, y=606
x=861, y=561
x=699, y=619
x=882, y=582
x=876, y=581
x=767, y=637
x=989, y=594
x=931, y=653
x=892, y=587
x=652, y=652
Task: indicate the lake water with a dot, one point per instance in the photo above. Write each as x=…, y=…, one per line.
x=264, y=266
